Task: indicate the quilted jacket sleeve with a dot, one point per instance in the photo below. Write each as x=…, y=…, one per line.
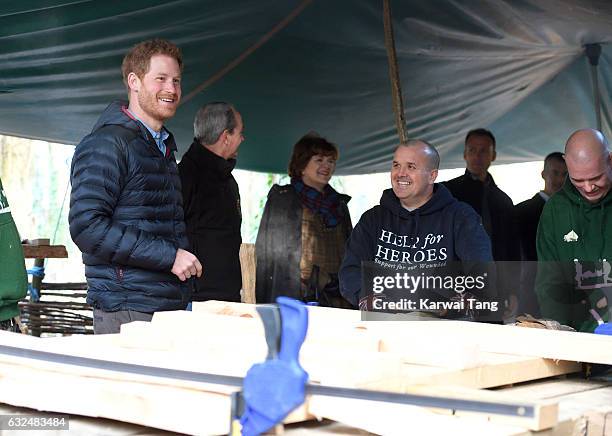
x=99, y=174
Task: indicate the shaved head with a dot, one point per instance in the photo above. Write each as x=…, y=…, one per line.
x=587, y=154
x=413, y=172
x=586, y=144
x=429, y=151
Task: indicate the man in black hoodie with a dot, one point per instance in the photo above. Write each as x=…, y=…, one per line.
x=212, y=201
x=417, y=221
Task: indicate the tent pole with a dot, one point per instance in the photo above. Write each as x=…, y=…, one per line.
x=593, y=51
x=396, y=89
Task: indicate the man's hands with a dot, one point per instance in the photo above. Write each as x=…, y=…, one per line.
x=186, y=265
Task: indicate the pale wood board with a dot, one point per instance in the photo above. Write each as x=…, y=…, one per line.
x=394, y=419
x=520, y=341
x=248, y=267
x=340, y=349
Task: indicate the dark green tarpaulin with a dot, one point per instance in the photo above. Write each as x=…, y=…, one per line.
x=516, y=67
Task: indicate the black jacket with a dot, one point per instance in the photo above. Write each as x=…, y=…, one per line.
x=528, y=216
x=504, y=240
x=279, y=244
x=126, y=216
x=454, y=226
x=212, y=214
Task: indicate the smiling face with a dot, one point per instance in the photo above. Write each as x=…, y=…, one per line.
x=155, y=98
x=318, y=171
x=412, y=177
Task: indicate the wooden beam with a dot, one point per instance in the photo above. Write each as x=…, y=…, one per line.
x=248, y=267
x=44, y=251
x=519, y=341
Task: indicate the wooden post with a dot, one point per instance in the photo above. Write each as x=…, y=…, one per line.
x=248, y=267
x=396, y=89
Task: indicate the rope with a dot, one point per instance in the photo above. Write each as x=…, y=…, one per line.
x=233, y=64
x=35, y=271
x=59, y=216
x=396, y=89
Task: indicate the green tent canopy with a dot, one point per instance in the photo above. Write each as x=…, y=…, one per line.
x=291, y=66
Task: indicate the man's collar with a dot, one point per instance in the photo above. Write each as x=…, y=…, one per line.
x=486, y=181
x=212, y=161
x=544, y=196
x=155, y=134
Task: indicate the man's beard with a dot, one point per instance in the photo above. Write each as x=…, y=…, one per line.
x=150, y=104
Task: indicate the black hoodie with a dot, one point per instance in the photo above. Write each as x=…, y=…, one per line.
x=442, y=229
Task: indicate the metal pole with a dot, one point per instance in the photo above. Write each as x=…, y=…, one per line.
x=593, y=51
x=396, y=89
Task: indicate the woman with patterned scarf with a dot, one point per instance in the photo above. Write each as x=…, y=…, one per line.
x=303, y=230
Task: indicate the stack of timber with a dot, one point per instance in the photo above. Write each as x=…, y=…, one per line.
x=449, y=359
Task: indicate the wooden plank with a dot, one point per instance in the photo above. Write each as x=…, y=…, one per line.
x=195, y=408
x=496, y=370
x=242, y=344
x=229, y=344
x=546, y=411
x=248, y=266
x=520, y=341
x=44, y=251
x=467, y=366
x=556, y=388
x=352, y=412
x=585, y=407
x=396, y=419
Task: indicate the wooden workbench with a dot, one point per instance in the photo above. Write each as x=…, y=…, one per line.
x=453, y=359
x=585, y=408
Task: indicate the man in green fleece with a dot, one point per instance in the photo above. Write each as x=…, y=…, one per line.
x=574, y=240
x=13, y=278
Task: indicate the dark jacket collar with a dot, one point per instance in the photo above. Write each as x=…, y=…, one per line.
x=487, y=181
x=209, y=161
x=116, y=113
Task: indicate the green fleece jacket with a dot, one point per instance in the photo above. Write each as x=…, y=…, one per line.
x=574, y=245
x=13, y=278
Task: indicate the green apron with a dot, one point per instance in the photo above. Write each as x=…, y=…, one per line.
x=13, y=277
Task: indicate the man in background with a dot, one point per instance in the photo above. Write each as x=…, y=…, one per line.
x=528, y=216
x=478, y=189
x=574, y=240
x=211, y=200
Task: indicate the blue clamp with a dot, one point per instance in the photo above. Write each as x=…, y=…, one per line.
x=273, y=388
x=604, y=329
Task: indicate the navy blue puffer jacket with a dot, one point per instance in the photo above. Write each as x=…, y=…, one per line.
x=126, y=216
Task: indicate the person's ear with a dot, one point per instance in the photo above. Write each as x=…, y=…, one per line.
x=224, y=137
x=433, y=176
x=494, y=155
x=133, y=82
x=543, y=174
